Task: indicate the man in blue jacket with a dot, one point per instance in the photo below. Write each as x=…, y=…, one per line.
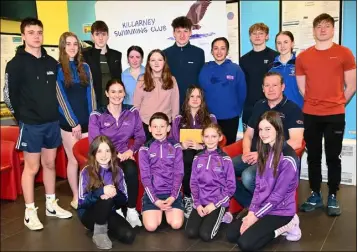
x=185, y=60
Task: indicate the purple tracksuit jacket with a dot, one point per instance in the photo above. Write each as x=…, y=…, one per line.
x=276, y=195
x=88, y=198
x=129, y=125
x=212, y=178
x=161, y=168
x=194, y=124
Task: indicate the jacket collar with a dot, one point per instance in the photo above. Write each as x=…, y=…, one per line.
x=291, y=61
x=184, y=47
x=280, y=104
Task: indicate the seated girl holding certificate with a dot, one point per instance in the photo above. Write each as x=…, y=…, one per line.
x=194, y=115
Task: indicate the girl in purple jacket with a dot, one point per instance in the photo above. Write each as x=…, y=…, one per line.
x=212, y=183
x=102, y=190
x=273, y=208
x=121, y=122
x=194, y=115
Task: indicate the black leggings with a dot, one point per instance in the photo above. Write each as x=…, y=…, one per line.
x=204, y=227
x=259, y=234
x=130, y=171
x=188, y=156
x=101, y=213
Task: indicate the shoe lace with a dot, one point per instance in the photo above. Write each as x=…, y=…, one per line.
x=186, y=202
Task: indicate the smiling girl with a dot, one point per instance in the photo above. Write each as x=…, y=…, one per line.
x=121, y=122
x=273, y=207
x=156, y=91
x=212, y=184
x=285, y=64
x=224, y=87
x=76, y=98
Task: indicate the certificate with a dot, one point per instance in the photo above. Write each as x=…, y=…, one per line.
x=191, y=134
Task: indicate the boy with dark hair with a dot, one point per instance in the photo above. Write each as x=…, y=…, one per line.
x=30, y=94
x=326, y=76
x=255, y=64
x=185, y=60
x=105, y=63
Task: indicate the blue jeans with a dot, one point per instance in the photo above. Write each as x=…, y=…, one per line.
x=246, y=186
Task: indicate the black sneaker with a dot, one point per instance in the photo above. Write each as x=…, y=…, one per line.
x=333, y=208
x=312, y=203
x=188, y=206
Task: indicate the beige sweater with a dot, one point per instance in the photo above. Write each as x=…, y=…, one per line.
x=158, y=100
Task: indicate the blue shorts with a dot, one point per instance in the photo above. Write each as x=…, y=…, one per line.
x=33, y=138
x=148, y=205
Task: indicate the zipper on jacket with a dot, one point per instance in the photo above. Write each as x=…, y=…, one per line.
x=207, y=165
x=161, y=151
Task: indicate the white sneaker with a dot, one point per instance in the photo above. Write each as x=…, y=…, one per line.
x=52, y=209
x=133, y=217
x=119, y=211
x=31, y=220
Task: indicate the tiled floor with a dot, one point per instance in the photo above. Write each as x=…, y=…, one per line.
x=320, y=232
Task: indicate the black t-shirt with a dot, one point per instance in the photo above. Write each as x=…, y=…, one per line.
x=291, y=116
x=255, y=65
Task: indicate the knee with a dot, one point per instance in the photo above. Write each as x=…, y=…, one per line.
x=205, y=235
x=150, y=226
x=176, y=224
x=244, y=244
x=128, y=236
x=248, y=179
x=48, y=164
x=191, y=233
x=31, y=169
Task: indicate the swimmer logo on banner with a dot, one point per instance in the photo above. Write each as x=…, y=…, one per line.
x=148, y=23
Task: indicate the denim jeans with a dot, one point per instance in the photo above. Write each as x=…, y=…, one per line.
x=246, y=186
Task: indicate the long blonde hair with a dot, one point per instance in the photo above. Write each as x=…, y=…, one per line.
x=65, y=61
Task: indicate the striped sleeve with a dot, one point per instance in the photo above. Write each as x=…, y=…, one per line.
x=145, y=173
x=286, y=177
x=230, y=183
x=91, y=96
x=178, y=170
x=64, y=105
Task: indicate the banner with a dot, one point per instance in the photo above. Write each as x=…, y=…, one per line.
x=148, y=23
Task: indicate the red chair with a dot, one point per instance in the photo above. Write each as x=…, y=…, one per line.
x=222, y=143
x=8, y=165
x=11, y=133
x=80, y=151
x=236, y=149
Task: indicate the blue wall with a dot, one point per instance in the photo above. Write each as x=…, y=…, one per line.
x=252, y=12
x=79, y=13
x=349, y=39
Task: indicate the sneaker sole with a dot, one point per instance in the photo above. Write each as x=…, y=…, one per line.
x=58, y=216
x=33, y=228
x=293, y=238
x=101, y=247
x=320, y=205
x=333, y=214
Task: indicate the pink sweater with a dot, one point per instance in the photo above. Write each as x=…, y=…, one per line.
x=158, y=100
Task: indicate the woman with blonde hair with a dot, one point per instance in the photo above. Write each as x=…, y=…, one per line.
x=76, y=100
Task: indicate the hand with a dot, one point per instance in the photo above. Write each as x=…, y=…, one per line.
x=169, y=201
x=200, y=210
x=209, y=208
x=110, y=191
x=250, y=158
x=196, y=146
x=125, y=155
x=104, y=197
x=161, y=205
x=186, y=144
x=248, y=221
x=77, y=132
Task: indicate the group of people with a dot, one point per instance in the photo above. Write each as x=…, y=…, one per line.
x=142, y=111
